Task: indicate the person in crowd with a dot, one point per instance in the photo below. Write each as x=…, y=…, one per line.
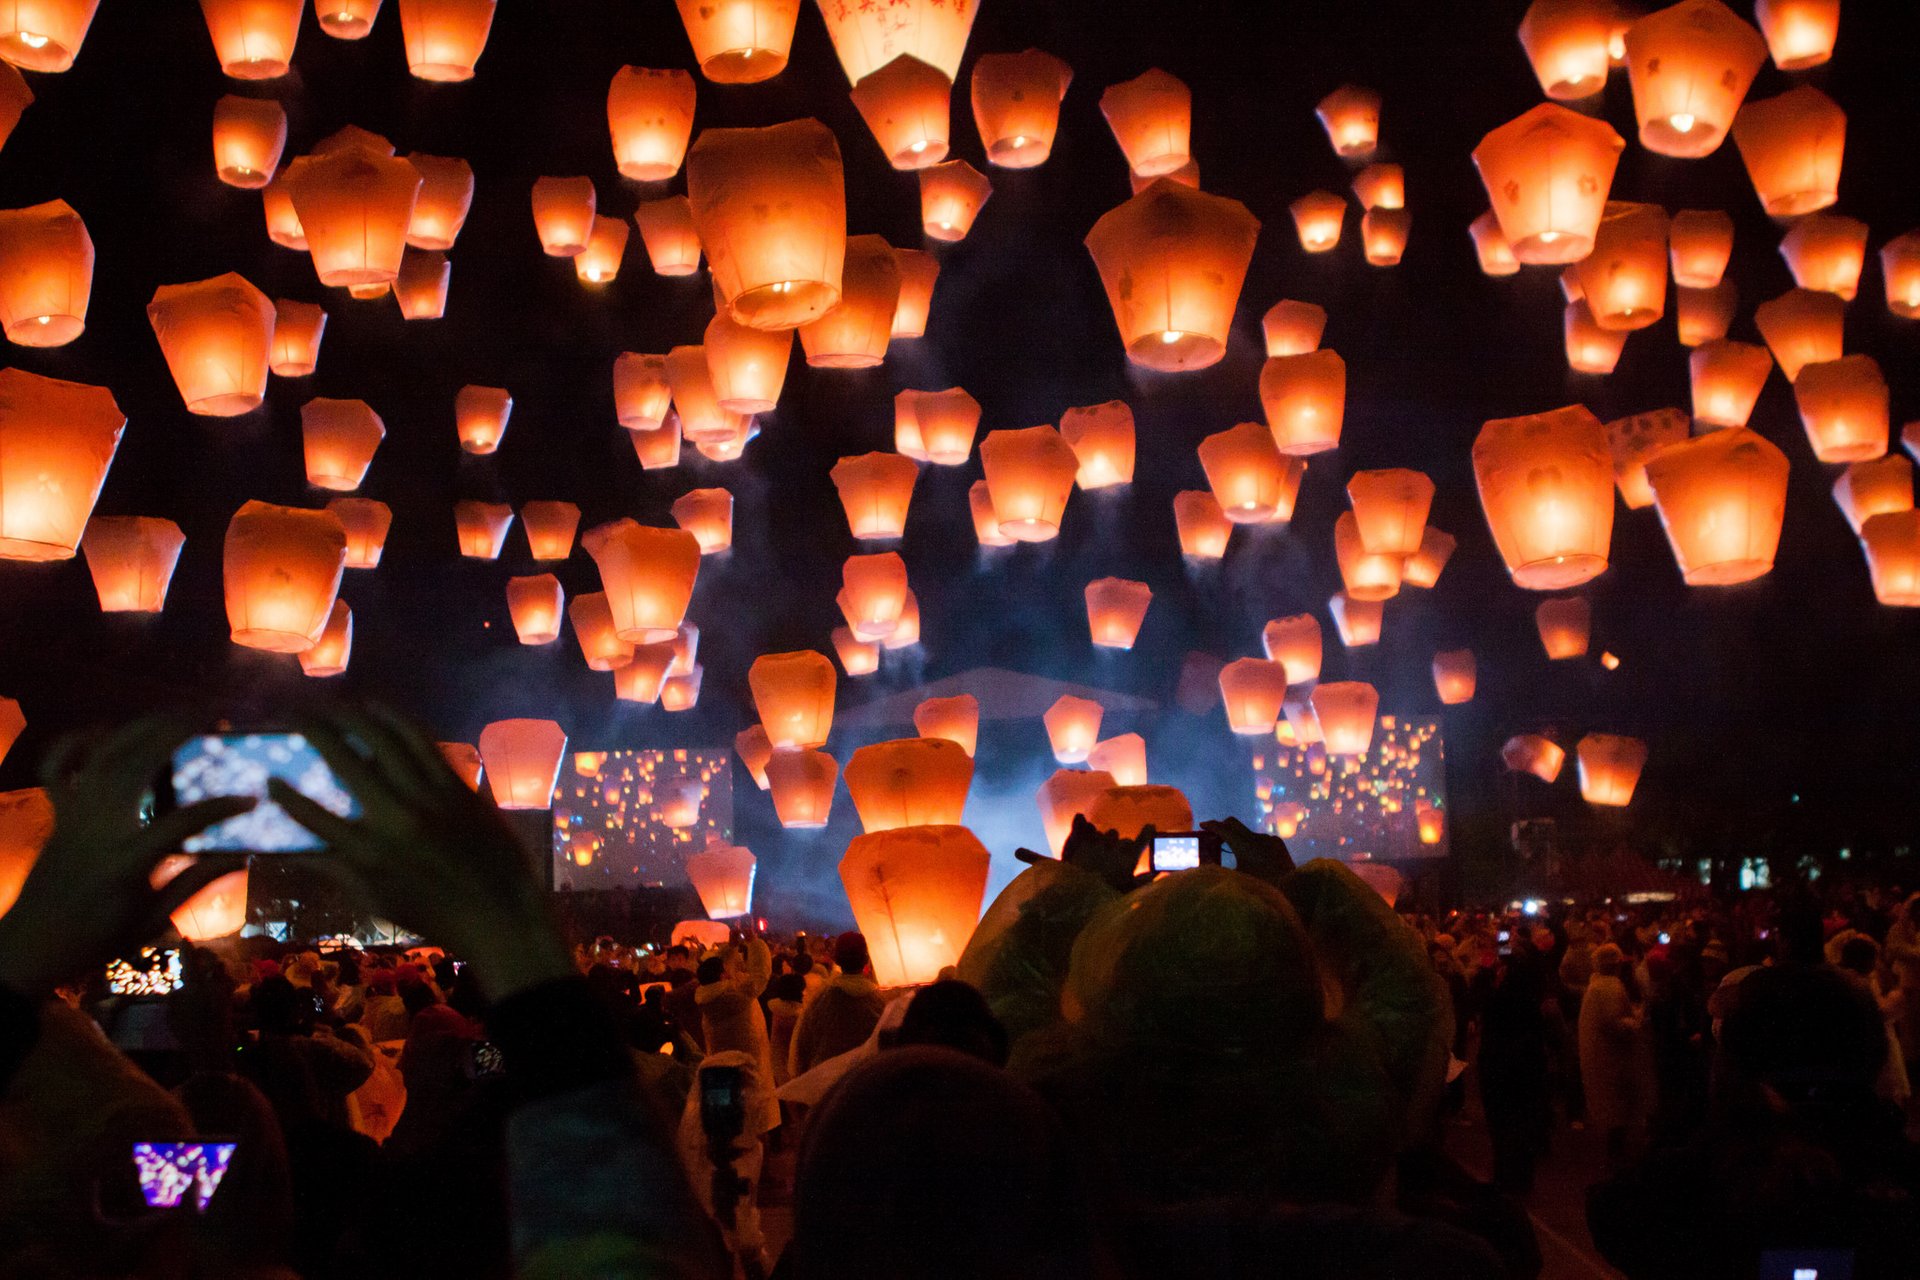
x=1615, y=1057
x=842, y=1013
x=1511, y=995
x=785, y=998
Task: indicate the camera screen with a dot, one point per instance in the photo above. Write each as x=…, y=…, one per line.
x=239, y=765
x=169, y=1171
x=151, y=973
x=1176, y=853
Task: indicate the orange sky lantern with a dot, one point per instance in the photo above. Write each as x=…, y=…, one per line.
x=1531, y=753
x=1900, y=271
x=600, y=645
x=1383, y=235
x=857, y=657
x=331, y=653
x=216, y=335
x=641, y=392
x=854, y=333
x=297, y=330
x=876, y=489
x=522, y=759
x=1565, y=624
x=1690, y=66
x=1547, y=173
x=1864, y=490
x=919, y=271
x=708, y=515
x=599, y=262
x=667, y=231
x=1826, y=251
x=650, y=119
x=956, y=719
x=131, y=559
x=15, y=98
x=1030, y=473
x=1351, y=117
x=283, y=220
x=1546, y=486
x=1792, y=146
x=916, y=895
x=355, y=205
x=1491, y=246
x=1365, y=575
x=1381, y=186
x=740, y=41
x=801, y=783
x=1891, y=541
x=1624, y=279
x=1102, y=438
x=535, y=603
x=770, y=208
x=1703, y=315
x=906, y=105
x=1455, y=675
x=1566, y=41
x=1727, y=379
x=57, y=440
x=1700, y=243
x=680, y=692
x=1251, y=479
x=1590, y=348
x=648, y=575
x=464, y=759
x=754, y=751
x=676, y=801
x=951, y=196
x=1358, y=621
x=875, y=590
x=1116, y=608
x=909, y=782
x=1390, y=510
x=480, y=417
x=946, y=422
x=1634, y=439
x=1253, y=691
x=722, y=874
x=1610, y=766
x=282, y=571
x=44, y=35
x=986, y=521
x=1317, y=220
x=1305, y=398
x=1424, y=566
x=1843, y=406
x=1202, y=525
x=1799, y=33
x=563, y=213
x=216, y=910
x=1294, y=642
x=1073, y=726
x=1151, y=117
x=366, y=523
x=696, y=399
x=253, y=39
x=644, y=674
x=1016, y=105
x=1066, y=794
x=906, y=632
x=340, y=438
x=445, y=38
x=1131, y=810
x=1346, y=711
x=1173, y=260
x=550, y=527
x=482, y=528
x=1722, y=497
x=1293, y=328
x=347, y=19
x=1124, y=759
x=1802, y=327
x=248, y=137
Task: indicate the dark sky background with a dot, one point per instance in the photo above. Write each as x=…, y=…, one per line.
x=1797, y=685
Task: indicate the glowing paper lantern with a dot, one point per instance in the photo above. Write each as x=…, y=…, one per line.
x=770, y=207
x=986, y=521
x=1203, y=527
x=1700, y=243
x=905, y=104
x=480, y=417
x=1565, y=624
x=464, y=759
x=1383, y=234
x=216, y=910
x=297, y=330
x=708, y=515
x=1722, y=497
x=1152, y=119
x=1351, y=117
x=1073, y=726
x=801, y=784
x=12, y=724
x=697, y=400
x=1634, y=439
x=368, y=292
x=951, y=196
x=909, y=782
x=600, y=644
x=1531, y=753
x=26, y=816
x=1491, y=246
x=44, y=35
x=916, y=895
x=1704, y=315
x=1423, y=567
x=1102, y=438
x=677, y=802
x=347, y=19
x=641, y=392
x=1124, y=759
x=1294, y=643
x=444, y=40
x=1345, y=710
x=522, y=759
x=1390, y=510
x=868, y=35
x=678, y=692
x=650, y=118
x=446, y=193
x=919, y=271
x=1172, y=260
x=248, y=136
x=1358, y=621
x=253, y=38
x=1727, y=379
x=648, y=575
x=1800, y=33
x=1843, y=405
x=1367, y=576
x=563, y=214
x=853, y=334
x=1546, y=485
x=755, y=751
x=340, y=438
x=1624, y=279
x=955, y=719
x=1802, y=327
x=667, y=231
x=1826, y=252
x=1455, y=675
x=1610, y=768
x=283, y=220
x=1128, y=811
x=332, y=651
x=1016, y=105
x=1065, y=795
x=535, y=603
x=599, y=262
x=46, y=273
x=366, y=523
x=1317, y=219
x=1891, y=541
x=355, y=206
x=1293, y=328
x=550, y=527
x=132, y=559
x=1381, y=186
x=1863, y=491
x=1547, y=174
x=875, y=489
x=1252, y=481
x=740, y=41
x=216, y=335
x=15, y=98
x=906, y=632
x=1690, y=66
x=57, y=440
x=643, y=676
x=1305, y=398
x=874, y=593
x=1030, y=473
x=482, y=528
x=1566, y=41
x=857, y=657
x=282, y=571
x=1792, y=146
x=1116, y=608
x=722, y=875
x=1900, y=269
x=1252, y=690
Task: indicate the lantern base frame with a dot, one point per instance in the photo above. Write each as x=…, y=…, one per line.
x=747, y=65
x=1558, y=573
x=48, y=330
x=1186, y=351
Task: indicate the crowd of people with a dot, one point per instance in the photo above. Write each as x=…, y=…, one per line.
x=1218, y=1072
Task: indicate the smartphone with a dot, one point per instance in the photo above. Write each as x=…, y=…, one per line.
x=154, y=972
x=723, y=1103
x=239, y=764
x=1184, y=850
x=171, y=1172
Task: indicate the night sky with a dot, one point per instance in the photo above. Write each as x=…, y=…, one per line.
x=1798, y=685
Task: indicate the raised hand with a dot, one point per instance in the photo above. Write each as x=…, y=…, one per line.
x=1106, y=854
x=1258, y=854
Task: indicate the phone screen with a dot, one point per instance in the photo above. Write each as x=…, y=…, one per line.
x=1176, y=853
x=171, y=1171
x=239, y=765
x=152, y=973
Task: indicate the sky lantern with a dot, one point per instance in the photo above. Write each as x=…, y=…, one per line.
x=46, y=274
x=1293, y=328
x=1383, y=235
x=1351, y=117
x=1700, y=243
x=330, y=654
x=353, y=138
x=482, y=528
x=464, y=759
x=1826, y=252
x=1366, y=576
x=1891, y=541
x=12, y=724
x=1305, y=398
x=297, y=330
x=648, y=575
x=355, y=206
x=1251, y=479
x=1722, y=497
x=956, y=719
x=522, y=759
x=1030, y=473
x=740, y=41
x=1610, y=766
x=480, y=417
x=1624, y=279
x=1345, y=710
x=1565, y=624
x=600, y=645
x=751, y=745
x=875, y=489
x=1704, y=315
x=696, y=399
x=677, y=802
x=854, y=333
x=919, y=270
x=1900, y=270
x=1381, y=186
x=1358, y=621
x=1116, y=608
x=650, y=118
x=986, y=521
x=1294, y=642
x=1124, y=759
x=253, y=39
x=770, y=207
x=1792, y=146
x=536, y=603
x=44, y=35
x=368, y=292
x=686, y=647
x=909, y=782
x=906, y=632
x=57, y=440
x=1201, y=523
x=916, y=895
x=906, y=105
x=599, y=262
x=131, y=559
x=1252, y=690
x=947, y=421
x=1546, y=485
x=1016, y=105
x=667, y=230
x=1455, y=676
x=366, y=523
x=1491, y=246
x=1317, y=220
x=1534, y=754
x=1634, y=439
x=1065, y=795
x=1799, y=33
x=1073, y=726
x=722, y=874
x=1151, y=117
x=906, y=426
x=340, y=438
x=801, y=784
x=708, y=515
x=644, y=674
x=1390, y=510
x=563, y=213
x=1102, y=438
x=216, y=910
x=680, y=692
x=875, y=591
x=641, y=392
x=1566, y=41
x=1172, y=260
x=1690, y=66
x=868, y=35
x=1802, y=327
x=857, y=657
x=1865, y=489
x=1843, y=405
x=15, y=98
x=444, y=40
x=283, y=220
x=951, y=196
x=1423, y=567
x=1727, y=379
x=248, y=136
x=1547, y=174
x=282, y=571
x=1130, y=810
x=550, y=527
x=347, y=19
